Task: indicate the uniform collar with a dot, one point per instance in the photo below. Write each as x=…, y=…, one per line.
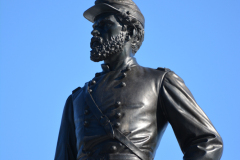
x=129, y=62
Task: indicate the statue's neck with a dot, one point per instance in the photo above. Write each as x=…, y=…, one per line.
x=120, y=60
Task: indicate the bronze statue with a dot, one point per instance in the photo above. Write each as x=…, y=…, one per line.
x=122, y=113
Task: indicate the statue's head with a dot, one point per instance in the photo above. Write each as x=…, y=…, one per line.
x=116, y=24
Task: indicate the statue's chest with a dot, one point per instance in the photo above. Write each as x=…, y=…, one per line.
x=128, y=90
x=128, y=98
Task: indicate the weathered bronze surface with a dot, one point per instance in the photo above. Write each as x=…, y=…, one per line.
x=122, y=113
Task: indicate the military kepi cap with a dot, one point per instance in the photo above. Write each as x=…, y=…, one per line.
x=116, y=6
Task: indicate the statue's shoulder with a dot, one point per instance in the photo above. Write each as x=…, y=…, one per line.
x=68, y=108
x=163, y=72
x=170, y=75
x=76, y=90
x=163, y=69
x=157, y=74
x=159, y=70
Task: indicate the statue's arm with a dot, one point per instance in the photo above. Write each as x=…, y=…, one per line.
x=195, y=133
x=66, y=145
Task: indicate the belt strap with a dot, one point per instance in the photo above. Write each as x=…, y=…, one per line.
x=113, y=132
x=105, y=122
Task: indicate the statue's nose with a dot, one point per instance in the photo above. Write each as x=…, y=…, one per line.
x=95, y=32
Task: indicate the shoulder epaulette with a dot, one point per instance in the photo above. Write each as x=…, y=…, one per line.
x=163, y=69
x=98, y=74
x=75, y=90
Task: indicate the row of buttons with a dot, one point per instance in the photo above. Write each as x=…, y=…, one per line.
x=123, y=84
x=118, y=115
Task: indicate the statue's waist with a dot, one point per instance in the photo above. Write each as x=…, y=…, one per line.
x=111, y=149
x=119, y=156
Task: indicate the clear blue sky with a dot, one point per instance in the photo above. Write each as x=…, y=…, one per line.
x=45, y=55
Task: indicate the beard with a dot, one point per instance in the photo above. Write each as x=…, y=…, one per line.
x=102, y=50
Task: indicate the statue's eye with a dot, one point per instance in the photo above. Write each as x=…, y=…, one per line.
x=107, y=25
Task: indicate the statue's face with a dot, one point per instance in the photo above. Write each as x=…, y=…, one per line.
x=108, y=38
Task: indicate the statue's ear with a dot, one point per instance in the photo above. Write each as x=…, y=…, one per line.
x=124, y=28
x=134, y=33
x=134, y=37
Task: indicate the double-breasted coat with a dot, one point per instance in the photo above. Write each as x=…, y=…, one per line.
x=140, y=102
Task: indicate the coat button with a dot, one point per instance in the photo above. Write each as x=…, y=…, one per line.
x=93, y=82
x=123, y=84
x=113, y=148
x=124, y=75
x=86, y=112
x=118, y=115
x=118, y=104
x=117, y=125
x=90, y=90
x=86, y=123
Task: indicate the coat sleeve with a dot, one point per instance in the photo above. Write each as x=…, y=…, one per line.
x=195, y=133
x=66, y=145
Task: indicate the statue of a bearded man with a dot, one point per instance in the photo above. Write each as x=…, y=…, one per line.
x=122, y=113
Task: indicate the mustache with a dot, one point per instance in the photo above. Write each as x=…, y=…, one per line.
x=96, y=39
